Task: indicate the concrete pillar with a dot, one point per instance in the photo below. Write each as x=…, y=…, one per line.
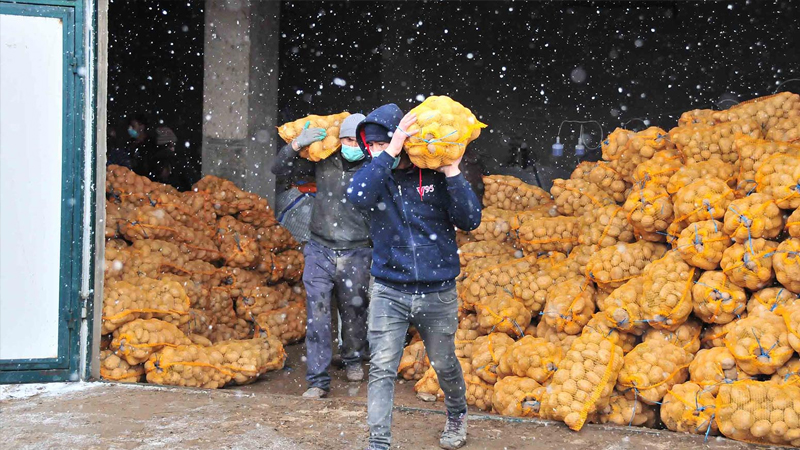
x=240, y=92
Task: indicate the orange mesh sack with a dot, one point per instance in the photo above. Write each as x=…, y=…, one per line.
x=553, y=336
x=196, y=323
x=714, y=367
x=545, y=211
x=616, y=142
x=124, y=302
x=188, y=365
x=238, y=243
x=274, y=268
x=121, y=180
x=713, y=336
x=603, y=176
x=754, y=216
x=623, y=307
x=760, y=343
x=658, y=170
x=791, y=317
x=530, y=357
x=507, y=192
x=779, y=177
x=702, y=244
x=292, y=263
x=557, y=234
x=576, y=197
x=697, y=116
x=716, y=299
x=427, y=387
x=477, y=250
x=479, y=393
x=288, y=324
x=532, y=286
x=495, y=225
x=686, y=336
x=759, y=412
x=611, y=267
x=569, y=306
x=651, y=369
x=259, y=300
x=503, y=314
x=749, y=265
x=703, y=142
x=248, y=359
x=793, y=224
x=605, y=227
x=464, y=341
x=320, y=149
x=481, y=265
x=496, y=279
x=486, y=354
x=786, y=129
x=584, y=381
x=703, y=199
x=599, y=323
x=114, y=368
x=786, y=262
x=769, y=299
x=148, y=222
x=689, y=408
x=625, y=412
x=705, y=169
x=137, y=340
x=789, y=373
x=752, y=153
x=414, y=362
x=649, y=209
x=768, y=109
x=445, y=128
x=276, y=239
x=625, y=149
x=517, y=397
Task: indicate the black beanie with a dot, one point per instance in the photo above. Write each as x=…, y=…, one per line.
x=376, y=133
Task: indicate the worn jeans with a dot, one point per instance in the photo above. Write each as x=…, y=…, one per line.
x=435, y=315
x=345, y=274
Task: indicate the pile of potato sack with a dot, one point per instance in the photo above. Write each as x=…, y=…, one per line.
x=658, y=286
x=201, y=287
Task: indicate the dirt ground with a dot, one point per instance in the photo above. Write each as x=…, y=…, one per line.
x=269, y=414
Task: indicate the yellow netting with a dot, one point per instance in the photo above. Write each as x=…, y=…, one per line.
x=188, y=365
x=288, y=324
x=706, y=142
x=749, y=265
x=584, y=381
x=759, y=412
x=517, y=397
x=605, y=227
x=495, y=225
x=786, y=263
x=258, y=300
x=227, y=199
x=658, y=170
x=768, y=109
x=689, y=408
x=604, y=177
x=532, y=286
x=789, y=373
x=790, y=312
x=530, y=357
x=465, y=340
x=428, y=388
x=752, y=153
x=769, y=299
x=121, y=180
x=495, y=279
x=557, y=234
x=625, y=412
x=716, y=299
x=714, y=367
x=576, y=197
x=786, y=129
x=472, y=251
x=414, y=362
x=703, y=199
x=479, y=393
x=569, y=305
x=507, y=192
x=625, y=149
x=779, y=177
x=444, y=129
x=611, y=267
x=503, y=314
x=623, y=307
x=686, y=336
x=649, y=209
x=148, y=222
x=754, y=216
x=651, y=369
x=714, y=335
x=760, y=343
x=793, y=224
x=559, y=338
x=238, y=244
x=702, y=244
x=320, y=149
x=714, y=168
x=291, y=264
x=697, y=116
x=114, y=368
x=600, y=323
x=238, y=329
x=539, y=212
x=276, y=239
x=124, y=302
x=137, y=340
x=486, y=354
x=197, y=323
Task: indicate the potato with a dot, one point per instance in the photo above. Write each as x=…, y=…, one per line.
x=752, y=217
x=414, y=362
x=713, y=367
x=651, y=369
x=124, y=301
x=517, y=397
x=530, y=357
x=319, y=150
x=668, y=291
x=779, y=177
x=248, y=359
x=713, y=168
x=114, y=368
x=287, y=324
x=427, y=387
x=702, y=244
x=503, y=314
x=121, y=181
x=760, y=343
x=510, y=193
x=495, y=279
x=714, y=335
x=625, y=412
x=657, y=171
x=687, y=336
x=558, y=234
x=137, y=340
x=238, y=243
x=789, y=373
x=759, y=412
x=626, y=149
x=486, y=354
x=477, y=250
x=768, y=299
x=291, y=263
x=532, y=286
x=649, y=210
x=600, y=323
x=623, y=307
x=259, y=300
x=576, y=197
x=605, y=227
x=790, y=311
x=716, y=299
x=276, y=239
x=552, y=335
x=793, y=224
x=749, y=265
x=569, y=305
x=786, y=263
x=495, y=225
x=611, y=267
x=689, y=408
x=703, y=199
x=701, y=142
x=786, y=129
x=752, y=153
x=603, y=176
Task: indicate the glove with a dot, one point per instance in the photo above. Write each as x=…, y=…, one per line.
x=308, y=136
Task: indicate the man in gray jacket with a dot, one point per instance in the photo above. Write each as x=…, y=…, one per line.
x=337, y=257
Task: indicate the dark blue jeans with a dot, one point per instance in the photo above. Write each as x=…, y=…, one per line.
x=436, y=317
x=345, y=274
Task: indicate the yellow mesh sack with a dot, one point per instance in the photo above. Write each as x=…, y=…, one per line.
x=716, y=299
x=704, y=199
x=651, y=369
x=276, y=239
x=121, y=180
x=137, y=340
x=495, y=225
x=706, y=142
x=288, y=324
x=623, y=307
x=477, y=250
x=599, y=323
x=236, y=280
x=545, y=211
x=532, y=286
x=657, y=170
x=687, y=336
x=495, y=279
x=702, y=244
x=558, y=234
x=791, y=316
x=464, y=341
x=248, y=359
x=789, y=373
x=611, y=267
x=414, y=362
x=752, y=154
x=227, y=199
x=769, y=299
x=779, y=177
x=259, y=300
x=196, y=323
x=292, y=263
x=697, y=116
x=220, y=305
x=321, y=149
x=714, y=367
x=749, y=265
x=768, y=109
x=503, y=314
x=632, y=149
x=649, y=209
x=114, y=368
x=552, y=335
x=625, y=412
x=517, y=397
x=188, y=365
x=507, y=192
x=759, y=412
x=605, y=227
x=584, y=381
x=603, y=176
x=479, y=393
x=690, y=408
x=576, y=197
x=427, y=387
x=530, y=357
x=616, y=142
x=786, y=263
x=240, y=329
x=760, y=343
x=667, y=291
x=754, y=216
x=786, y=129
x=444, y=129
x=486, y=354
x=569, y=305
x=238, y=243
x=124, y=302
x=713, y=335
x=148, y=222
x=713, y=168
x=793, y=224
x=481, y=265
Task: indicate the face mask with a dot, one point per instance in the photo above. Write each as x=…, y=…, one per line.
x=133, y=133
x=394, y=164
x=351, y=153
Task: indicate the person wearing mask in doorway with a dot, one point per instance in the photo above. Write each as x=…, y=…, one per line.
x=337, y=257
x=142, y=147
x=413, y=213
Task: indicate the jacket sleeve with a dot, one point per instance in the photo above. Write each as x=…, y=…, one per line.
x=363, y=191
x=465, y=208
x=286, y=161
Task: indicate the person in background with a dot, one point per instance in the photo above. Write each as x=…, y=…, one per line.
x=172, y=163
x=337, y=257
x=413, y=213
x=141, y=146
x=115, y=153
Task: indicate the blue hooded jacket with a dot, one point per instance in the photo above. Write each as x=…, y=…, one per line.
x=413, y=213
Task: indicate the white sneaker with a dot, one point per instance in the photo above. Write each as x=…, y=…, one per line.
x=315, y=392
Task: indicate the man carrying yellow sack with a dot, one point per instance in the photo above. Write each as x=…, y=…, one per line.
x=337, y=257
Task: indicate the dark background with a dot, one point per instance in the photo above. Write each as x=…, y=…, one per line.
x=521, y=67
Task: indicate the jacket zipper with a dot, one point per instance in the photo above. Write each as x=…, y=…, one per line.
x=410, y=234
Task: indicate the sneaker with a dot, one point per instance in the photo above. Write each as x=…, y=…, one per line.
x=315, y=392
x=455, y=432
x=354, y=372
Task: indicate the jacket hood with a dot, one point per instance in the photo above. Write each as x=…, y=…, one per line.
x=388, y=116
